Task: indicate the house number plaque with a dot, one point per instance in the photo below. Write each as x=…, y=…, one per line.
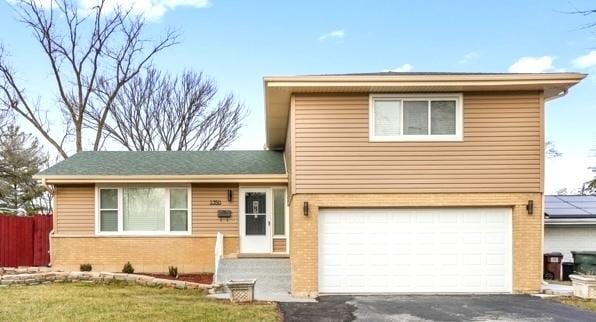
x=215, y=202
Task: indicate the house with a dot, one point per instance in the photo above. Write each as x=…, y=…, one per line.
x=372, y=183
x=569, y=224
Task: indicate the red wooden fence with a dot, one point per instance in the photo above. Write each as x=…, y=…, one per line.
x=25, y=241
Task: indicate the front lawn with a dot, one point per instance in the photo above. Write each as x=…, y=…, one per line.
x=121, y=302
x=577, y=302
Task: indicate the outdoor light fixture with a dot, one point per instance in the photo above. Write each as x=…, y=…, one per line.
x=305, y=208
x=230, y=195
x=530, y=207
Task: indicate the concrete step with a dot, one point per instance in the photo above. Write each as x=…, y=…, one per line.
x=273, y=275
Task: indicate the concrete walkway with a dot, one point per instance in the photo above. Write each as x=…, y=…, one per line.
x=556, y=289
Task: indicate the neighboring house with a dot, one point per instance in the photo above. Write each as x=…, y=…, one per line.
x=569, y=224
x=393, y=182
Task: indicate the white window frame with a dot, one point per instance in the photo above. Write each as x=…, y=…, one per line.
x=286, y=216
x=167, y=209
x=459, y=117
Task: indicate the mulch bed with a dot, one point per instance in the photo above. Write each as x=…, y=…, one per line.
x=203, y=278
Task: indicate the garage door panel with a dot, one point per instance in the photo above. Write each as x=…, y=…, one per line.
x=414, y=250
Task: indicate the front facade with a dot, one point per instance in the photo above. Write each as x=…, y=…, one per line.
x=391, y=183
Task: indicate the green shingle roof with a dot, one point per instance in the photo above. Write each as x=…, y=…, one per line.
x=124, y=163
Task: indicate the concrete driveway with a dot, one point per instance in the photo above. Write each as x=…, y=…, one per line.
x=433, y=308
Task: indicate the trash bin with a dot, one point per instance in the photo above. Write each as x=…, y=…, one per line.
x=585, y=262
x=552, y=266
x=567, y=270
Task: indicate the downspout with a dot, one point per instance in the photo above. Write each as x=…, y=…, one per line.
x=45, y=185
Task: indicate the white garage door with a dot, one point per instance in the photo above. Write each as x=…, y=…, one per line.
x=442, y=250
x=565, y=238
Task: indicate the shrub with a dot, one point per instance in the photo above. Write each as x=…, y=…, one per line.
x=173, y=270
x=86, y=267
x=128, y=269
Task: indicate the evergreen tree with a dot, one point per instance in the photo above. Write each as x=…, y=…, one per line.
x=20, y=158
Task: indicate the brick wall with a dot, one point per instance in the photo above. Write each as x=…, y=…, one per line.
x=527, y=230
x=146, y=254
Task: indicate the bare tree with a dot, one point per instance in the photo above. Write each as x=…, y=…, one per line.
x=551, y=150
x=157, y=111
x=92, y=54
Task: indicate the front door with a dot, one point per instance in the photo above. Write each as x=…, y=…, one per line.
x=255, y=220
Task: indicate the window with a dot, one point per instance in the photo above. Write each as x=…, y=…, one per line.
x=143, y=210
x=416, y=117
x=279, y=212
x=108, y=210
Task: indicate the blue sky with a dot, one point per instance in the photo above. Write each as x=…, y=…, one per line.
x=238, y=42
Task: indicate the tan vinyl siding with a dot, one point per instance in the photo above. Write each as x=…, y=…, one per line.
x=205, y=220
x=74, y=208
x=501, y=150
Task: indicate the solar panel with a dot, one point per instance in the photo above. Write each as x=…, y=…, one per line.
x=559, y=205
x=570, y=206
x=577, y=198
x=573, y=211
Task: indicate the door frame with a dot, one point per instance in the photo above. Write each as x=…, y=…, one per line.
x=271, y=217
x=268, y=247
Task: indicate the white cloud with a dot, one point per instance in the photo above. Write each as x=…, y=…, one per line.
x=586, y=61
x=568, y=172
x=151, y=9
x=533, y=65
x=473, y=55
x=401, y=69
x=336, y=34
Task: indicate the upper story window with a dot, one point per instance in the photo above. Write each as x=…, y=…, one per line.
x=415, y=117
x=143, y=210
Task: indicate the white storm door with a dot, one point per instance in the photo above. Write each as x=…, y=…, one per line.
x=255, y=220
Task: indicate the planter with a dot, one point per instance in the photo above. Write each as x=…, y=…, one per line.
x=242, y=290
x=584, y=286
x=585, y=262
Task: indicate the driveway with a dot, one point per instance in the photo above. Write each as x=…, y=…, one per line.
x=433, y=308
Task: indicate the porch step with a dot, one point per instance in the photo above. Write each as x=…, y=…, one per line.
x=272, y=274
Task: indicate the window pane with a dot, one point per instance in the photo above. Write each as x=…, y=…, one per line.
x=144, y=209
x=387, y=118
x=178, y=220
x=415, y=117
x=108, y=220
x=178, y=199
x=279, y=212
x=442, y=117
x=256, y=225
x=108, y=198
x=255, y=203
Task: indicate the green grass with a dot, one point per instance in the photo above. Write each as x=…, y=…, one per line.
x=121, y=302
x=589, y=305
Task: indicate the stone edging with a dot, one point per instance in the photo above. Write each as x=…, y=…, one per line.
x=35, y=276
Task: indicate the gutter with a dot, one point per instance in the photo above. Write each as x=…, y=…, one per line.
x=570, y=221
x=561, y=94
x=240, y=178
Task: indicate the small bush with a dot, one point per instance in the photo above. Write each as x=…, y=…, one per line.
x=173, y=270
x=86, y=267
x=128, y=269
